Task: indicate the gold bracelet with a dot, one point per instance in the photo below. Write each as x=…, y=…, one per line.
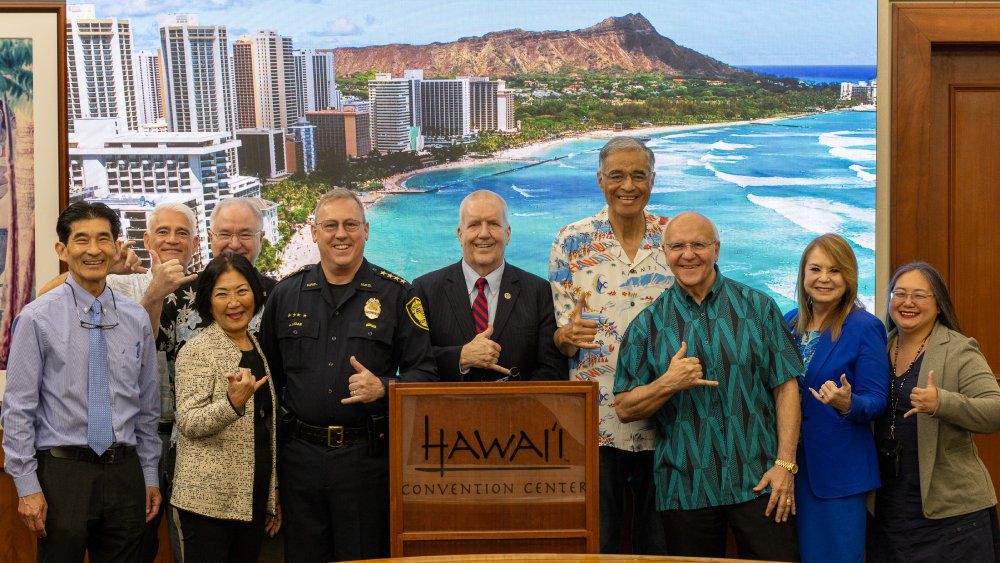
x=791, y=467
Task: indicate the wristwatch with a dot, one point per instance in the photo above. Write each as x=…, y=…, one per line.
x=791, y=467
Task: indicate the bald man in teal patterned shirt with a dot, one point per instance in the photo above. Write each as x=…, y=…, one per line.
x=713, y=362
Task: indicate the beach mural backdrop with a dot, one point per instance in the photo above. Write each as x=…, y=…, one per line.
x=760, y=114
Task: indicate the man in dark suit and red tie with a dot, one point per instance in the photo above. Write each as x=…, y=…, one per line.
x=488, y=319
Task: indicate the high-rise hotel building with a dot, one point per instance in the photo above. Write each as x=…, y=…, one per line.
x=340, y=134
x=482, y=102
x=447, y=110
x=316, y=80
x=100, y=81
x=393, y=121
x=201, y=99
x=149, y=79
x=199, y=83
x=505, y=108
x=243, y=80
x=303, y=137
x=264, y=75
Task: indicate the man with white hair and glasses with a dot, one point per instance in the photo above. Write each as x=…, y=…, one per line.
x=238, y=226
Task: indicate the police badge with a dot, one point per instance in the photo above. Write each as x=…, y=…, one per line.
x=373, y=308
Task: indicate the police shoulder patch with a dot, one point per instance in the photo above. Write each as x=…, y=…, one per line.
x=415, y=309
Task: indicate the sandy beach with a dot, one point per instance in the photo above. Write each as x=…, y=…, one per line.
x=526, y=153
x=300, y=250
x=397, y=182
x=533, y=149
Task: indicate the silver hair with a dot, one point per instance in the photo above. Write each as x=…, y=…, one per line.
x=229, y=202
x=339, y=193
x=176, y=207
x=622, y=144
x=484, y=194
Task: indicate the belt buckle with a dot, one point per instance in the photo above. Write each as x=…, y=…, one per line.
x=330, y=430
x=109, y=456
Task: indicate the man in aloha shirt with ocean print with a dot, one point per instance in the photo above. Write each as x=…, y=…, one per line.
x=604, y=270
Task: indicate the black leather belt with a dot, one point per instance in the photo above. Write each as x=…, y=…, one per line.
x=114, y=454
x=330, y=436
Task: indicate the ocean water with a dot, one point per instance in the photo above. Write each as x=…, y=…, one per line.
x=818, y=74
x=770, y=188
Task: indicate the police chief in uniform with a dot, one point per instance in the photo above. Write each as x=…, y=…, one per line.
x=335, y=334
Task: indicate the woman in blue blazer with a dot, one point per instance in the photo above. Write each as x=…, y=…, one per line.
x=845, y=388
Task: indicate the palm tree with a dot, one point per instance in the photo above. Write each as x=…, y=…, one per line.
x=15, y=92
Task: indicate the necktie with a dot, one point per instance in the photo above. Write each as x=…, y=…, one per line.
x=100, y=432
x=481, y=309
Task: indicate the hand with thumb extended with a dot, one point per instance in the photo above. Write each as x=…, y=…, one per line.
x=167, y=276
x=241, y=386
x=481, y=352
x=837, y=397
x=924, y=400
x=685, y=373
x=127, y=261
x=363, y=386
x=579, y=332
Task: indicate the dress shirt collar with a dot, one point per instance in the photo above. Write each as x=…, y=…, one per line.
x=492, y=278
x=652, y=238
x=84, y=299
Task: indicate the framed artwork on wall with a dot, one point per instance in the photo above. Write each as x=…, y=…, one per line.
x=33, y=152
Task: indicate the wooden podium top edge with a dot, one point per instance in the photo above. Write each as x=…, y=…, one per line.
x=493, y=388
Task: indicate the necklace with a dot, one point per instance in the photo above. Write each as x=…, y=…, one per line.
x=896, y=392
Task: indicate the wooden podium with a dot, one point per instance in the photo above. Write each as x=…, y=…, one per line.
x=493, y=468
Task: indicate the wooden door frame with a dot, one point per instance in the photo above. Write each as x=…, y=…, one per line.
x=915, y=28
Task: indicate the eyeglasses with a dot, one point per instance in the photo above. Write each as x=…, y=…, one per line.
x=696, y=246
x=616, y=178
x=88, y=324
x=917, y=296
x=242, y=236
x=331, y=227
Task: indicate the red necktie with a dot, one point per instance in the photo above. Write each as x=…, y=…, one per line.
x=480, y=309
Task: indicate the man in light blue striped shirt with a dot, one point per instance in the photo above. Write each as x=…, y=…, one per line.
x=80, y=429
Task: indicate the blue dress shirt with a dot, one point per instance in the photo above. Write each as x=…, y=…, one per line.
x=45, y=403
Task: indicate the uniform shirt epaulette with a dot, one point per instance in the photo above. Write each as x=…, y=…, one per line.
x=303, y=268
x=392, y=276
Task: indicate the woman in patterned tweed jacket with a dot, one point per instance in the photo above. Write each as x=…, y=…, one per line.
x=225, y=487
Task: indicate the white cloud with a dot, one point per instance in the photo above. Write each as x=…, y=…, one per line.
x=342, y=26
x=141, y=8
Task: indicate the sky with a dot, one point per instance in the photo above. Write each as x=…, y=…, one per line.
x=737, y=32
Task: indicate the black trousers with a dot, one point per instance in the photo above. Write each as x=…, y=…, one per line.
x=93, y=508
x=622, y=471
x=214, y=540
x=702, y=532
x=151, y=536
x=335, y=502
